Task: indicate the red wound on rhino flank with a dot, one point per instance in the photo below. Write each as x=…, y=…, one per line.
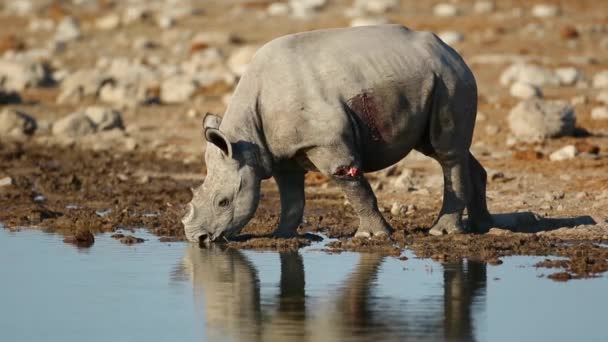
x=365, y=106
x=348, y=171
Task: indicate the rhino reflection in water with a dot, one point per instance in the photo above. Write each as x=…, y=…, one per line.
x=226, y=283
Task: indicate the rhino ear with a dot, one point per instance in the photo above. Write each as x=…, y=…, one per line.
x=211, y=121
x=217, y=138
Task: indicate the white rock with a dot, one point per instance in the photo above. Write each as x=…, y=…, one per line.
x=133, y=14
x=6, y=181
x=445, y=10
x=84, y=82
x=535, y=120
x=305, y=9
x=18, y=75
x=104, y=118
x=166, y=21
x=213, y=38
x=484, y=6
x=177, y=89
x=528, y=73
x=277, y=9
x=600, y=80
x=545, y=10
x=375, y=6
x=398, y=209
x=603, y=97
x=16, y=124
x=524, y=90
x=568, y=76
x=451, y=37
x=74, y=125
x=564, y=153
x=239, y=60
x=127, y=95
x=369, y=21
x=67, y=30
x=599, y=113
x=108, y=22
x=41, y=24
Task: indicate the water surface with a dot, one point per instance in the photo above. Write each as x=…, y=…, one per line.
x=50, y=291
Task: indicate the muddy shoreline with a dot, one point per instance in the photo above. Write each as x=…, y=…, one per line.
x=68, y=190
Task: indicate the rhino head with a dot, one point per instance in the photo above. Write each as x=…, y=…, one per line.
x=229, y=196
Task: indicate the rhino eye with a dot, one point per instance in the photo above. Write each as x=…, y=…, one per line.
x=224, y=202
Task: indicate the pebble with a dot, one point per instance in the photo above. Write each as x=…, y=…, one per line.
x=375, y=6
x=239, y=59
x=177, y=89
x=16, y=124
x=524, y=90
x=545, y=11
x=603, y=97
x=451, y=37
x=599, y=113
x=528, y=73
x=600, y=80
x=104, y=118
x=6, y=181
x=483, y=7
x=369, y=21
x=564, y=153
x=445, y=10
x=581, y=195
x=108, y=22
x=568, y=76
x=74, y=125
x=19, y=75
x=67, y=30
x=278, y=9
x=535, y=120
x=397, y=209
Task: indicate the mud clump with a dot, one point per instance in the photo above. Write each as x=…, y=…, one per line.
x=82, y=238
x=382, y=245
x=265, y=243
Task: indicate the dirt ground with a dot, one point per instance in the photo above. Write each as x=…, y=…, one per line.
x=542, y=207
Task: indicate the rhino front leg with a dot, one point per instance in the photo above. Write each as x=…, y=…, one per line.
x=291, y=189
x=456, y=189
x=361, y=196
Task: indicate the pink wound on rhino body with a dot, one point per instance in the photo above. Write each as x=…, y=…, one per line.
x=348, y=171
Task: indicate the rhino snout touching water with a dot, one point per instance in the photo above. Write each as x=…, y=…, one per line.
x=342, y=102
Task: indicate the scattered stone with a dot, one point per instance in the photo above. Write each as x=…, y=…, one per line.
x=579, y=100
x=545, y=11
x=369, y=21
x=569, y=32
x=603, y=97
x=397, y=209
x=564, y=153
x=600, y=80
x=67, y=30
x=19, y=75
x=177, y=89
x=166, y=21
x=530, y=74
x=374, y=6
x=305, y=9
x=16, y=124
x=278, y=9
x=74, y=125
x=568, y=76
x=445, y=10
x=133, y=14
x=83, y=238
x=599, y=113
x=6, y=181
x=108, y=22
x=239, y=60
x=82, y=83
x=451, y=37
x=535, y=120
x=104, y=118
x=483, y=7
x=524, y=90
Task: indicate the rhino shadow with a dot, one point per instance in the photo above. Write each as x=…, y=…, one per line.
x=530, y=222
x=227, y=286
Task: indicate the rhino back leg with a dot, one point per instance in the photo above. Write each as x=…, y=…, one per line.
x=290, y=180
x=450, y=131
x=479, y=216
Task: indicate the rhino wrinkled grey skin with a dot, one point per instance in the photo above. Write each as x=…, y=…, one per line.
x=341, y=102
